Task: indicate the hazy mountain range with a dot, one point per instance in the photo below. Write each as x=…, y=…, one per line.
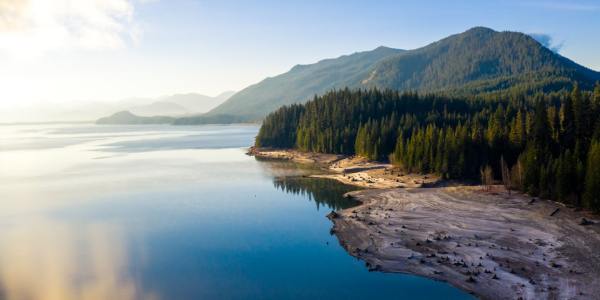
x=176, y=105
x=179, y=104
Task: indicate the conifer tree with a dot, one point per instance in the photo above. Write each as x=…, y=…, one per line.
x=591, y=197
x=541, y=142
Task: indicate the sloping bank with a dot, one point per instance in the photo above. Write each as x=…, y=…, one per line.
x=489, y=242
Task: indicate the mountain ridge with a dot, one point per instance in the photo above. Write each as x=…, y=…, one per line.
x=300, y=83
x=477, y=61
x=180, y=104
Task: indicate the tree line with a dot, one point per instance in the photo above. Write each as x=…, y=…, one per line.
x=547, y=145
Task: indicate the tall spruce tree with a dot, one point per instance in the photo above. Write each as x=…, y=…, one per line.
x=591, y=197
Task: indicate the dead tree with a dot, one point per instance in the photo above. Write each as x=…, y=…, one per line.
x=487, y=177
x=505, y=174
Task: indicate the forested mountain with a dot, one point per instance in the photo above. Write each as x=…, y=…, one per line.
x=478, y=61
x=545, y=144
x=301, y=83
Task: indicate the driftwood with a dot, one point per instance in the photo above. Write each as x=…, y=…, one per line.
x=554, y=212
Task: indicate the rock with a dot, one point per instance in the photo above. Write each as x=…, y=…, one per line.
x=333, y=215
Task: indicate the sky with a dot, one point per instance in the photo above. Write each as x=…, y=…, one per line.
x=77, y=51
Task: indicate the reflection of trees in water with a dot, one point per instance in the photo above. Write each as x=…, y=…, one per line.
x=282, y=168
x=289, y=177
x=323, y=191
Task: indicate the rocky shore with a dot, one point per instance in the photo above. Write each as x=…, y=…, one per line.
x=493, y=243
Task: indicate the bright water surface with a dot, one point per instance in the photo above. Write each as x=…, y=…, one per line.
x=162, y=212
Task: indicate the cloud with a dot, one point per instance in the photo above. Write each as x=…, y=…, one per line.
x=547, y=41
x=34, y=27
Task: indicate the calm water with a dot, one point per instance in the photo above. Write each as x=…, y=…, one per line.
x=159, y=212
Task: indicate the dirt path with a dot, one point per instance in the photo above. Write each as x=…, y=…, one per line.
x=491, y=244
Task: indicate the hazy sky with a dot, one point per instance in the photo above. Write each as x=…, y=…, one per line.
x=83, y=50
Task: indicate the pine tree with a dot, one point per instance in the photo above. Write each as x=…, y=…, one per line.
x=596, y=99
x=540, y=131
x=516, y=131
x=568, y=124
x=591, y=197
x=543, y=150
x=398, y=154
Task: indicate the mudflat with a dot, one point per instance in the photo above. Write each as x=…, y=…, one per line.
x=489, y=242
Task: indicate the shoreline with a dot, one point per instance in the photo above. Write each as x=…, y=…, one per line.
x=350, y=170
x=490, y=243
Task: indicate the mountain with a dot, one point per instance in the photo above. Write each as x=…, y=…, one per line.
x=160, y=107
x=474, y=62
x=179, y=104
x=165, y=109
x=480, y=60
x=126, y=117
x=301, y=83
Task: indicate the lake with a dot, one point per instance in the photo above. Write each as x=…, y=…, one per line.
x=168, y=212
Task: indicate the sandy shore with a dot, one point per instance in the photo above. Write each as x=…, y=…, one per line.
x=489, y=243
x=355, y=171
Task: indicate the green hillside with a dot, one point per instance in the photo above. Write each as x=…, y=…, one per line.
x=301, y=83
x=478, y=61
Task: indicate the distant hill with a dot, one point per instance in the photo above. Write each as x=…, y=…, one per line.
x=60, y=111
x=165, y=109
x=180, y=104
x=160, y=108
x=126, y=117
x=474, y=62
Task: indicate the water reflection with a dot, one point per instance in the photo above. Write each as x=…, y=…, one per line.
x=292, y=177
x=323, y=192
x=54, y=260
x=280, y=168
